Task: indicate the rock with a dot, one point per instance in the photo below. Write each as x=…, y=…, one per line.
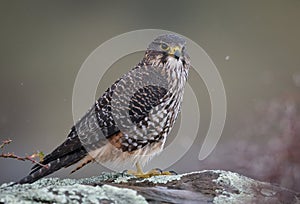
x=212, y=186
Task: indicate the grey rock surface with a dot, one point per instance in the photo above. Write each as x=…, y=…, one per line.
x=213, y=186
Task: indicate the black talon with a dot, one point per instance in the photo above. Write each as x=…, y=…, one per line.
x=158, y=169
x=124, y=172
x=173, y=172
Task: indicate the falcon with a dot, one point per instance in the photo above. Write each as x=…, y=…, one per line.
x=132, y=119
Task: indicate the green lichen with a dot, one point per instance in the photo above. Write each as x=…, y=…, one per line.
x=54, y=190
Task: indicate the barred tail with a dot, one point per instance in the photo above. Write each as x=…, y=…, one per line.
x=53, y=166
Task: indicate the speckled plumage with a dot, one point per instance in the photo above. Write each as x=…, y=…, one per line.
x=131, y=120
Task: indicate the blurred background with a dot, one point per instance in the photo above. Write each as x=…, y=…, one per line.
x=254, y=44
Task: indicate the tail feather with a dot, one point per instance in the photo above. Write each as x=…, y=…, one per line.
x=87, y=159
x=72, y=143
x=54, y=165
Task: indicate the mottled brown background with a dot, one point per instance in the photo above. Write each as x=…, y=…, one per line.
x=44, y=43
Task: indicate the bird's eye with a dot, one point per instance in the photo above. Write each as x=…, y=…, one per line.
x=164, y=46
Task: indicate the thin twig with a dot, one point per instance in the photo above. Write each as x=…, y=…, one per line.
x=5, y=142
x=31, y=158
x=28, y=158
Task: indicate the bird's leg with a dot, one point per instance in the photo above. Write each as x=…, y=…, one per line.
x=139, y=168
x=139, y=171
x=154, y=172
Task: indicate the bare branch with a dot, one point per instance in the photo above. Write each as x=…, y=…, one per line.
x=31, y=158
x=4, y=143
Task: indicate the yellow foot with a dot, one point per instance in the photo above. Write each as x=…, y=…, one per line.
x=154, y=172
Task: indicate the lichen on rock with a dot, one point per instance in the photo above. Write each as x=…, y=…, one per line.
x=209, y=186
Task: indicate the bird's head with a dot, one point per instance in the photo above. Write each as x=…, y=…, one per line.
x=171, y=46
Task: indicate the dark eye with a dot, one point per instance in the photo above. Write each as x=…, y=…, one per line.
x=164, y=46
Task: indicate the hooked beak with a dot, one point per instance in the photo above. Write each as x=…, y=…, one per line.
x=175, y=52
